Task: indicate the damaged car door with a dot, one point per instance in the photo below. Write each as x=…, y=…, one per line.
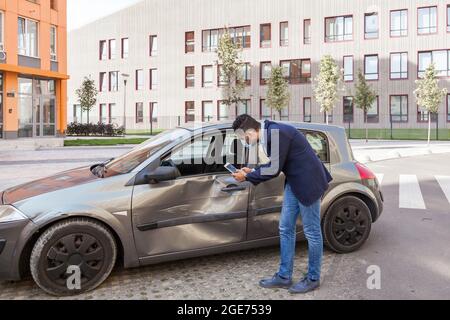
x=202, y=208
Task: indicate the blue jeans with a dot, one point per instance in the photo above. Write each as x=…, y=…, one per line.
x=311, y=226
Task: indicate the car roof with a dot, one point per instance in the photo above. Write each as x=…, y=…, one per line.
x=207, y=126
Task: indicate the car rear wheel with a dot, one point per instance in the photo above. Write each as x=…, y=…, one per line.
x=347, y=225
x=73, y=256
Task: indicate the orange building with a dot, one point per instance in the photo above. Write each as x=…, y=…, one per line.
x=33, y=68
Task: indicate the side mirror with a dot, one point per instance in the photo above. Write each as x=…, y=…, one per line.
x=162, y=174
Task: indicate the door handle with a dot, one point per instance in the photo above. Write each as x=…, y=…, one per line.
x=234, y=188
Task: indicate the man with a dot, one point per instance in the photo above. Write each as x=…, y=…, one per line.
x=307, y=180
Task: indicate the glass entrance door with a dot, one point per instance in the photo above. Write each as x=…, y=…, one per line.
x=37, y=105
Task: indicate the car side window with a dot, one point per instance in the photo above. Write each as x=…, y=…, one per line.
x=319, y=143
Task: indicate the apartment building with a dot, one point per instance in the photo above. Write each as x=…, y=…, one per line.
x=156, y=64
x=33, y=68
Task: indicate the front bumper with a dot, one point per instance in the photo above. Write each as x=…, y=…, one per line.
x=13, y=235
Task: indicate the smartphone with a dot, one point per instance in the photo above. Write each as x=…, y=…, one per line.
x=231, y=168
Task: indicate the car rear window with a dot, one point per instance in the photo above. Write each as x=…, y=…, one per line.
x=319, y=143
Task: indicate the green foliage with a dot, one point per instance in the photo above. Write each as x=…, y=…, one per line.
x=428, y=93
x=365, y=96
x=229, y=59
x=87, y=95
x=278, y=94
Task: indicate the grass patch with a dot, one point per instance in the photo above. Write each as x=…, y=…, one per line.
x=144, y=132
x=102, y=142
x=398, y=134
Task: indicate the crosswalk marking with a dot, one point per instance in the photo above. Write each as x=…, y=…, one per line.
x=410, y=195
x=380, y=177
x=444, y=182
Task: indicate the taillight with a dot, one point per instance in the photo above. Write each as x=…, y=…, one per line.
x=364, y=172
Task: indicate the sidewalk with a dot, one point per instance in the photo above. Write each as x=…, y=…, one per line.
x=379, y=150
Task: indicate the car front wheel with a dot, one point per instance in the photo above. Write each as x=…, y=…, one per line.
x=73, y=256
x=347, y=225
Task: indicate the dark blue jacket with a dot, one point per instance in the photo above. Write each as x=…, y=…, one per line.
x=304, y=171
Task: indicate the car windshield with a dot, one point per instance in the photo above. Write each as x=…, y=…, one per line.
x=141, y=153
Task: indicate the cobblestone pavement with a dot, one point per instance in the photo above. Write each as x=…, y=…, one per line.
x=232, y=276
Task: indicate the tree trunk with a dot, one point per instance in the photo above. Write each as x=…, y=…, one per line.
x=326, y=118
x=88, y=116
x=367, y=129
x=429, y=128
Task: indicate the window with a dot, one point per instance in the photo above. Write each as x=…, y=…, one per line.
x=423, y=115
x=284, y=34
x=448, y=18
x=265, y=72
x=307, y=117
x=265, y=35
x=53, y=41
x=265, y=110
x=189, y=42
x=399, y=23
x=102, y=82
x=153, y=46
x=77, y=114
x=399, y=108
x=153, y=112
x=339, y=29
x=348, y=109
x=371, y=25
x=114, y=81
x=189, y=111
x=371, y=67
x=140, y=79
x=372, y=113
x=330, y=117
x=246, y=73
x=307, y=31
x=320, y=145
x=240, y=36
x=28, y=37
x=285, y=114
x=399, y=65
x=2, y=28
x=222, y=111
x=297, y=71
x=427, y=20
x=441, y=60
x=125, y=48
x=112, y=49
x=103, y=116
x=207, y=111
x=53, y=5
x=243, y=107
x=189, y=74
x=207, y=76
x=103, y=54
x=221, y=78
x=139, y=112
x=111, y=112
x=154, y=80
x=348, y=68
x=448, y=108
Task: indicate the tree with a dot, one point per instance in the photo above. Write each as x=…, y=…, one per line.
x=429, y=95
x=278, y=94
x=328, y=84
x=364, y=98
x=230, y=64
x=87, y=95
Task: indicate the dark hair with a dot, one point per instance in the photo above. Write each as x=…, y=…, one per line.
x=245, y=122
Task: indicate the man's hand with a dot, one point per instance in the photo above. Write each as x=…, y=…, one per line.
x=247, y=170
x=240, y=175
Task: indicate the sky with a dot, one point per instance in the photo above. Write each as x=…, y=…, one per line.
x=81, y=12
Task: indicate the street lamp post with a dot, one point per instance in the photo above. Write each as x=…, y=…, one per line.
x=125, y=81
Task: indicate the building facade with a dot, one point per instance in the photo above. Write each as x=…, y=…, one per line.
x=33, y=68
x=156, y=64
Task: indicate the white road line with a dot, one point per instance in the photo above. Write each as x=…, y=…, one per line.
x=380, y=177
x=410, y=195
x=444, y=182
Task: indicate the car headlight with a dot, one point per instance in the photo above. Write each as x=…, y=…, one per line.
x=10, y=214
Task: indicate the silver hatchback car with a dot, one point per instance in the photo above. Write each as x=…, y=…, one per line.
x=147, y=207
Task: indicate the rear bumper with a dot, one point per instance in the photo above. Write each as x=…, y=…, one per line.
x=12, y=241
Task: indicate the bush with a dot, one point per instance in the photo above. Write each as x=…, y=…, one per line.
x=90, y=129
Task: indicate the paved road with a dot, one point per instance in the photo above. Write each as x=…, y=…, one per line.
x=409, y=244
